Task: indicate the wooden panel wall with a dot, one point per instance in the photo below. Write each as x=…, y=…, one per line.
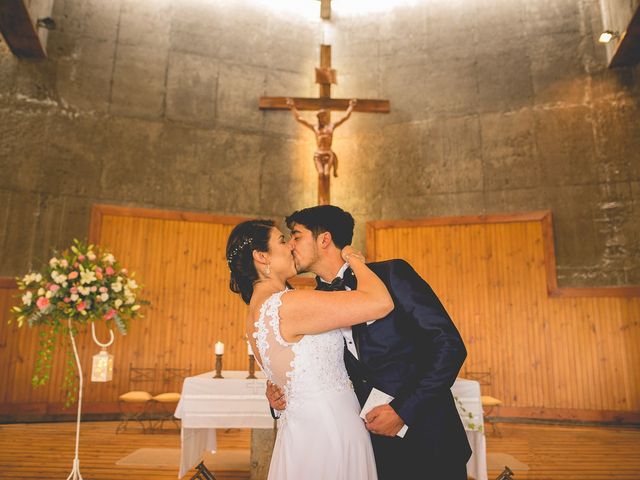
x=552, y=352
x=180, y=260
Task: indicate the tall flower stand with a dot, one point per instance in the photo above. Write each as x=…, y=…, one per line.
x=75, y=471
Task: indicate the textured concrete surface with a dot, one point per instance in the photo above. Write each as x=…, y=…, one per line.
x=502, y=106
x=262, y=441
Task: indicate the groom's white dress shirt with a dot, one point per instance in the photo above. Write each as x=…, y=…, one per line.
x=346, y=331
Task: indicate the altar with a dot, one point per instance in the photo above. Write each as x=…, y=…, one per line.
x=234, y=401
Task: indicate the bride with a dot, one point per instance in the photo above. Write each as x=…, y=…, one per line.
x=296, y=337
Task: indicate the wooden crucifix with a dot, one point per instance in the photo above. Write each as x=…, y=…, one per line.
x=324, y=158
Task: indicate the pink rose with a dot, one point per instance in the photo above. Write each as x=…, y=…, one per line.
x=73, y=289
x=98, y=270
x=110, y=271
x=99, y=275
x=72, y=275
x=109, y=315
x=81, y=258
x=42, y=303
x=81, y=306
x=76, y=264
x=94, y=289
x=104, y=289
x=64, y=263
x=54, y=287
x=67, y=299
x=124, y=270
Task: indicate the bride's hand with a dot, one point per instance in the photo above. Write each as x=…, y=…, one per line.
x=349, y=252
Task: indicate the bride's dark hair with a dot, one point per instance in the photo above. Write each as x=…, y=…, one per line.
x=243, y=240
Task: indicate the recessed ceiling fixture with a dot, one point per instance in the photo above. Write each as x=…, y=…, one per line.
x=607, y=36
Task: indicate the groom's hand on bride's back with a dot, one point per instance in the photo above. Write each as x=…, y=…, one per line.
x=275, y=395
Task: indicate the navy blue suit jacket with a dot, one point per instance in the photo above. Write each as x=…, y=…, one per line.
x=413, y=354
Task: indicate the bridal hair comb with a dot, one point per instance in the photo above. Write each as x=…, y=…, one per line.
x=237, y=249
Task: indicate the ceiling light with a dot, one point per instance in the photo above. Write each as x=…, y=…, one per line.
x=607, y=36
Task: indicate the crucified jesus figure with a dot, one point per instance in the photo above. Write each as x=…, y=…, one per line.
x=324, y=158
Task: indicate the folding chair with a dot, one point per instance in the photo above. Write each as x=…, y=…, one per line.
x=165, y=403
x=135, y=405
x=203, y=473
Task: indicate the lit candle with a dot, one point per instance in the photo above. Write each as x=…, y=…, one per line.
x=249, y=351
x=219, y=348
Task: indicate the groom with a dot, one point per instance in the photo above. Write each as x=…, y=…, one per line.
x=412, y=354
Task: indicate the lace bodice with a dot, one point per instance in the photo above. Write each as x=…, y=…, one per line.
x=310, y=367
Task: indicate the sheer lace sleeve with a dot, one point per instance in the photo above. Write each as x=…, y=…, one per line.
x=276, y=354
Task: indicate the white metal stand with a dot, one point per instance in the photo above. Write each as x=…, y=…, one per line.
x=75, y=472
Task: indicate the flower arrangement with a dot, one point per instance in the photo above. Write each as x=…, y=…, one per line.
x=79, y=285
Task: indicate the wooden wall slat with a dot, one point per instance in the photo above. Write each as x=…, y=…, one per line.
x=575, y=352
x=180, y=260
x=547, y=354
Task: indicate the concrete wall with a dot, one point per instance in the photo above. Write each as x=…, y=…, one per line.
x=497, y=106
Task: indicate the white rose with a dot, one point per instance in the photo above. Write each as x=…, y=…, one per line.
x=118, y=303
x=37, y=277
x=91, y=256
x=53, y=262
x=135, y=307
x=27, y=298
x=116, y=287
x=64, y=263
x=84, y=290
x=61, y=279
x=109, y=259
x=74, y=297
x=40, y=292
x=49, y=294
x=131, y=283
x=104, y=297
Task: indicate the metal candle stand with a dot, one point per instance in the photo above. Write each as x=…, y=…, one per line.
x=218, y=366
x=252, y=366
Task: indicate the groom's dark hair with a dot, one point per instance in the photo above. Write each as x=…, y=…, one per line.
x=325, y=218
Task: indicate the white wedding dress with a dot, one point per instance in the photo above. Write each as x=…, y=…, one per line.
x=320, y=434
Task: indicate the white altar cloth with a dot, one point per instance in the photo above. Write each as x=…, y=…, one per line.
x=468, y=394
x=234, y=401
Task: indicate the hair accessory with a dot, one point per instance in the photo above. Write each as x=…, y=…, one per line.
x=237, y=249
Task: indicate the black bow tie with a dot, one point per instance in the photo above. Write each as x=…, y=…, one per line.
x=338, y=283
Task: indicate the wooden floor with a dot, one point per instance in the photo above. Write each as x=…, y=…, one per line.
x=45, y=451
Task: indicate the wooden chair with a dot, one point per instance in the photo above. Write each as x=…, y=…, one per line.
x=136, y=403
x=165, y=403
x=488, y=402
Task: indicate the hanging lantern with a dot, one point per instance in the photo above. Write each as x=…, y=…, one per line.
x=102, y=368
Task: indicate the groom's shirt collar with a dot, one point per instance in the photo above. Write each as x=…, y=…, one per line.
x=340, y=273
